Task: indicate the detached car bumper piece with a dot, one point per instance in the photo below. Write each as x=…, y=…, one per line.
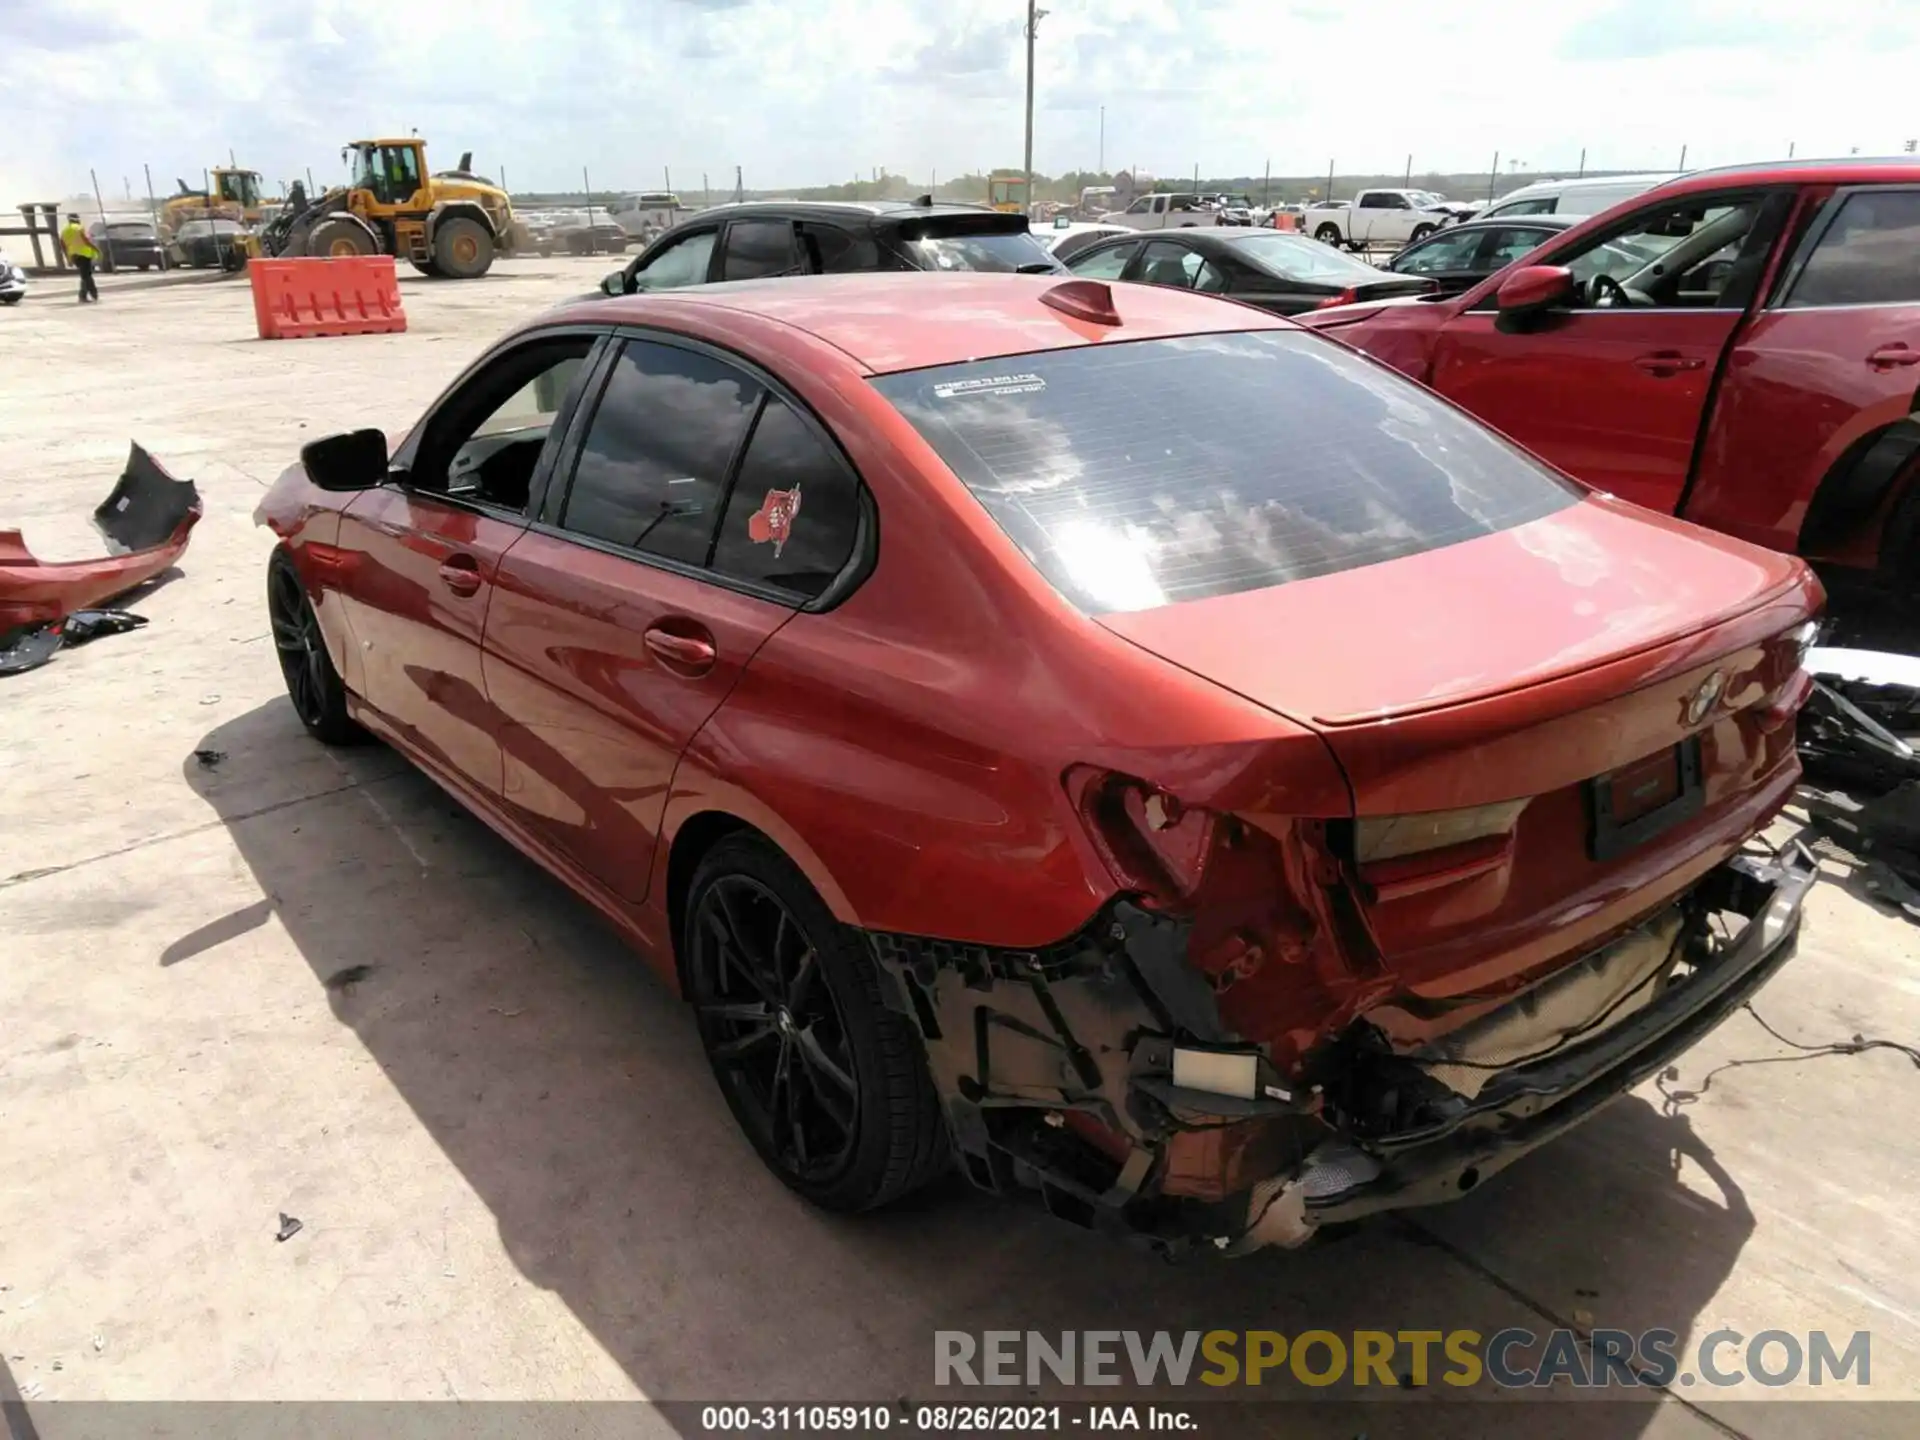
x=1095, y=1075
x=146, y=521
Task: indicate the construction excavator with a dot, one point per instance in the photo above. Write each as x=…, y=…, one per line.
x=449, y=224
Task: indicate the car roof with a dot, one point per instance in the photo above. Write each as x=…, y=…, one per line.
x=1509, y=222
x=892, y=321
x=1853, y=170
x=879, y=211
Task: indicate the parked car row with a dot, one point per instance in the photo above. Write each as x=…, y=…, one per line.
x=1339, y=773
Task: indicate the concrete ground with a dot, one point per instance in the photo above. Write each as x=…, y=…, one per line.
x=514, y=1176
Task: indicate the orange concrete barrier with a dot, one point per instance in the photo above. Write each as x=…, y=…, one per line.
x=345, y=295
x=1284, y=221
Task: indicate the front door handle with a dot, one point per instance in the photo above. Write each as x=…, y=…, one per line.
x=460, y=574
x=1662, y=363
x=685, y=654
x=1888, y=356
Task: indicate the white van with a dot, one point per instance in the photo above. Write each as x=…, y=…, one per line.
x=1574, y=197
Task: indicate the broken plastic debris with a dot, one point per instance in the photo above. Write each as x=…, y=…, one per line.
x=289, y=1227
x=32, y=646
x=146, y=522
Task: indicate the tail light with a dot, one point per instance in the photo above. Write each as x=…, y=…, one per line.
x=1345, y=297
x=1401, y=855
x=1151, y=842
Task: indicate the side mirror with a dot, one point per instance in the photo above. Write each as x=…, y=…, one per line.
x=1531, y=290
x=354, y=461
x=615, y=283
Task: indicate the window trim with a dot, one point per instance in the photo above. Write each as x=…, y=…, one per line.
x=866, y=543
x=400, y=466
x=1824, y=220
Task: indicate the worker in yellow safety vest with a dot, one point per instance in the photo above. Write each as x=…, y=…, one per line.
x=80, y=251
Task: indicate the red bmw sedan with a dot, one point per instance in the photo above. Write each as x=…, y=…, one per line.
x=1168, y=763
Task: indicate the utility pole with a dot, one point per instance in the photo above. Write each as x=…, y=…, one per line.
x=1408, y=181
x=706, y=195
x=739, y=186
x=1683, y=159
x=1033, y=26
x=503, y=182
x=667, y=170
x=1493, y=176
x=1266, y=185
x=1583, y=162
x=1102, y=167
x=153, y=208
x=232, y=163
x=1789, y=149
x=592, y=249
x=1329, y=179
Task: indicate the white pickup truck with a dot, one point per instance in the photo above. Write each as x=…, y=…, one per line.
x=1166, y=211
x=1379, y=217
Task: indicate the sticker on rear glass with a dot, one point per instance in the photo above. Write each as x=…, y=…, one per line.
x=1026, y=384
x=773, y=521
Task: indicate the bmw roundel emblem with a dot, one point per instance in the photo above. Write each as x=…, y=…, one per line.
x=1706, y=697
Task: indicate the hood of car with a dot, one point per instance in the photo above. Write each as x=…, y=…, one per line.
x=1589, y=583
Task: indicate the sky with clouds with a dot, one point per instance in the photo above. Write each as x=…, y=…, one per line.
x=806, y=92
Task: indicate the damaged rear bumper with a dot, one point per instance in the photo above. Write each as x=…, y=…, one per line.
x=1523, y=1108
x=147, y=519
x=1057, y=1070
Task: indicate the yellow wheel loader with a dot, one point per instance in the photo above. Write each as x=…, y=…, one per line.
x=451, y=224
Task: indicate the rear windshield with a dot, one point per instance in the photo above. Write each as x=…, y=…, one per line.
x=1299, y=258
x=1139, y=475
x=1005, y=252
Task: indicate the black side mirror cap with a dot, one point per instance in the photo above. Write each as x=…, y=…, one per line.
x=356, y=460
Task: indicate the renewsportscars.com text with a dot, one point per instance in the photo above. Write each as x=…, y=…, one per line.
x=1511, y=1359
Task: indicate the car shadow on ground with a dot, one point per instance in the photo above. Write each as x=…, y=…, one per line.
x=566, y=1083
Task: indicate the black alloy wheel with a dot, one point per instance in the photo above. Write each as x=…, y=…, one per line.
x=319, y=699
x=830, y=1086
x=774, y=1029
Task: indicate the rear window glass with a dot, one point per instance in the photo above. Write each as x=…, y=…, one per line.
x=1139, y=475
x=977, y=251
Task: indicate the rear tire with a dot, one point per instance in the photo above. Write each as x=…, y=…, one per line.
x=829, y=1084
x=313, y=685
x=1328, y=234
x=337, y=237
x=1420, y=232
x=462, y=248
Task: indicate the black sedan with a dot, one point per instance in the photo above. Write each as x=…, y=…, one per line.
x=1461, y=256
x=1284, y=273
x=128, y=244
x=209, y=243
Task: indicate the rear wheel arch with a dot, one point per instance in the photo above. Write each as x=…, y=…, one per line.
x=1859, y=483
x=695, y=836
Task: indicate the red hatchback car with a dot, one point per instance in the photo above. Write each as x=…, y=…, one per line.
x=1117, y=738
x=1741, y=347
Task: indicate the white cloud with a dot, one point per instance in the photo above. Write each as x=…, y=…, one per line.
x=809, y=91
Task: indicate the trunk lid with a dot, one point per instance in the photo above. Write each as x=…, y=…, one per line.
x=1550, y=732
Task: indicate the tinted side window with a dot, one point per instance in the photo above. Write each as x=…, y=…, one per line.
x=1373, y=200
x=756, y=248
x=1102, y=264
x=1870, y=255
x=829, y=250
x=794, y=514
x=684, y=262
x=654, y=465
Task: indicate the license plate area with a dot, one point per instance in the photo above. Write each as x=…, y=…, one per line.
x=1631, y=805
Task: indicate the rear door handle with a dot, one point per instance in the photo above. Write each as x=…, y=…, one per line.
x=685, y=654
x=460, y=574
x=1668, y=362
x=1888, y=356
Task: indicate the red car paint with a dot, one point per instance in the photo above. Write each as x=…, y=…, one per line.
x=33, y=592
x=957, y=751
x=1738, y=419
